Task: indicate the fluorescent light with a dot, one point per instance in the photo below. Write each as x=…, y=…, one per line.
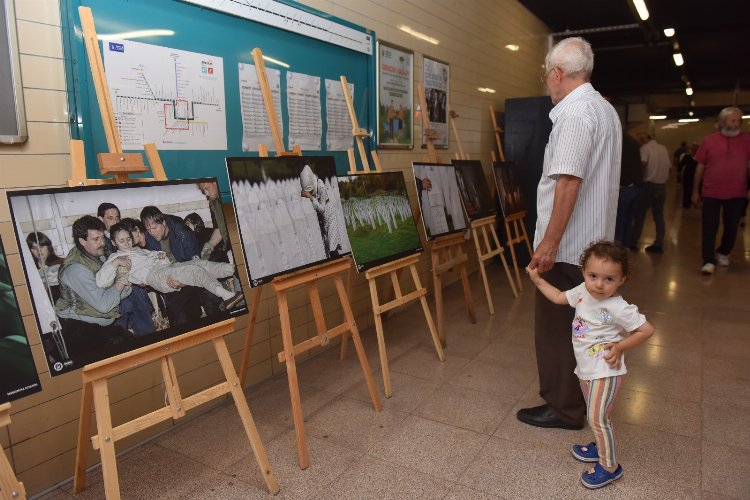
x=657, y=117
x=678, y=60
x=746, y=117
x=689, y=90
x=129, y=35
x=688, y=120
x=418, y=34
x=669, y=32
x=486, y=90
x=513, y=47
x=640, y=6
x=275, y=61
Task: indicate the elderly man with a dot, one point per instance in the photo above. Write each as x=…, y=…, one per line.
x=723, y=162
x=656, y=164
x=577, y=204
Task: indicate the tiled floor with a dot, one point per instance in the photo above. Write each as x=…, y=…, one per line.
x=450, y=431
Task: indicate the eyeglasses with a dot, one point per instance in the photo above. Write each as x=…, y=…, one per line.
x=546, y=75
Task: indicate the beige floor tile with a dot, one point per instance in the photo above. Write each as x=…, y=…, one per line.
x=723, y=368
x=422, y=361
x=494, y=378
x=657, y=412
x=665, y=382
x=508, y=353
x=726, y=423
x=408, y=392
x=672, y=357
x=226, y=487
x=460, y=492
x=726, y=470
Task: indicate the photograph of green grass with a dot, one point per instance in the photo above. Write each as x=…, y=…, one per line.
x=378, y=217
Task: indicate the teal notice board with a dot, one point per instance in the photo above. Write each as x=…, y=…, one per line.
x=205, y=31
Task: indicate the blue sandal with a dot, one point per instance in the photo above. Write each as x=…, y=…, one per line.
x=598, y=476
x=585, y=452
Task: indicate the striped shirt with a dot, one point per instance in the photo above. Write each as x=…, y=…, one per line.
x=585, y=142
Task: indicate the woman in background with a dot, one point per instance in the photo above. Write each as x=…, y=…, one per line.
x=47, y=262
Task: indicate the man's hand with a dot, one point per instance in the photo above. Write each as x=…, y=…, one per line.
x=695, y=199
x=123, y=261
x=544, y=256
x=173, y=283
x=426, y=184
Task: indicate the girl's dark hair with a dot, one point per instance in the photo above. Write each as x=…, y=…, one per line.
x=42, y=240
x=120, y=226
x=196, y=220
x=607, y=250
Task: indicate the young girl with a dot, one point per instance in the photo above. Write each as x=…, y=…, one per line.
x=605, y=326
x=154, y=269
x=47, y=262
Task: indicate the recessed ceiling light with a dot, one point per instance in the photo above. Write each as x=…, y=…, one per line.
x=486, y=90
x=669, y=32
x=690, y=113
x=513, y=47
x=688, y=120
x=419, y=34
x=640, y=6
x=689, y=90
x=657, y=117
x=678, y=60
x=746, y=117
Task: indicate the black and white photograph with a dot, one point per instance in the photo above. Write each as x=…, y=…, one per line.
x=115, y=267
x=508, y=190
x=379, y=220
x=439, y=199
x=289, y=213
x=472, y=184
x=18, y=375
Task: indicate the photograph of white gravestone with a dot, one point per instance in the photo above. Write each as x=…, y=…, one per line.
x=115, y=267
x=472, y=184
x=18, y=376
x=289, y=213
x=439, y=199
x=508, y=190
x=378, y=217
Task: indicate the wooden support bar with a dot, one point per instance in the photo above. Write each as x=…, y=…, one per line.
x=428, y=132
x=265, y=90
x=251, y=320
x=308, y=344
x=10, y=487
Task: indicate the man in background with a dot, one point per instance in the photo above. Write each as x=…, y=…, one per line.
x=631, y=178
x=656, y=164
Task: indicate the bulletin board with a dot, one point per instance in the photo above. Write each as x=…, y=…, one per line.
x=207, y=31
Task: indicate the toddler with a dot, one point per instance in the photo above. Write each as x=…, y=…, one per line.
x=605, y=326
x=154, y=269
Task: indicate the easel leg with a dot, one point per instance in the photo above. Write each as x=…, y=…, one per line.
x=349, y=317
x=247, y=419
x=10, y=487
x=505, y=262
x=84, y=435
x=107, y=448
x=438, y=290
x=349, y=285
x=291, y=373
x=257, y=292
x=427, y=314
x=387, y=388
x=467, y=293
x=511, y=239
x=490, y=303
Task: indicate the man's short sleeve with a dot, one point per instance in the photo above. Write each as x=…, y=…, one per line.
x=573, y=148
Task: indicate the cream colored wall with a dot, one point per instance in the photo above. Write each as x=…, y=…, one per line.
x=41, y=439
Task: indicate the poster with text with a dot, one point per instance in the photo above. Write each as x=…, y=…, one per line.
x=395, y=96
x=436, y=79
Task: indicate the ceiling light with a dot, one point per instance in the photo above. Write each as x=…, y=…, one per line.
x=513, y=47
x=418, y=34
x=678, y=60
x=657, y=117
x=486, y=90
x=689, y=90
x=746, y=117
x=129, y=35
x=640, y=6
x=690, y=113
x=669, y=32
x=688, y=120
x=275, y=61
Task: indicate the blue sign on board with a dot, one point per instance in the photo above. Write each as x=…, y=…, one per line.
x=116, y=47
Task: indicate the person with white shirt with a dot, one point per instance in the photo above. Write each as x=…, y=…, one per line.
x=576, y=204
x=656, y=165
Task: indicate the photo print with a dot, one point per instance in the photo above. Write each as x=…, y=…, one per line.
x=439, y=199
x=115, y=267
x=472, y=185
x=508, y=190
x=18, y=376
x=289, y=213
x=378, y=217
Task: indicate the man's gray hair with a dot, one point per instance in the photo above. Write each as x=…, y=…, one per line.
x=729, y=110
x=573, y=56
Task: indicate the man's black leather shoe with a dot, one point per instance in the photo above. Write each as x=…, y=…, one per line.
x=543, y=416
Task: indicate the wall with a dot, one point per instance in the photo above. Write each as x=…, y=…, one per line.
x=41, y=439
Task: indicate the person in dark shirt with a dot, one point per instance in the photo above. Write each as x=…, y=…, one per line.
x=631, y=177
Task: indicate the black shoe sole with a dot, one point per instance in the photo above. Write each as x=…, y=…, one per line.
x=550, y=425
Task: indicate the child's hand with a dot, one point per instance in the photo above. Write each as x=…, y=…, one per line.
x=161, y=255
x=614, y=355
x=533, y=273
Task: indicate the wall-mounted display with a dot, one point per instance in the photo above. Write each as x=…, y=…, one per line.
x=115, y=267
x=395, y=96
x=18, y=376
x=289, y=213
x=439, y=199
x=508, y=190
x=436, y=84
x=472, y=184
x=379, y=220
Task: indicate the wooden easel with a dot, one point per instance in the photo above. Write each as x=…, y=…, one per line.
x=309, y=278
x=95, y=375
x=461, y=154
x=515, y=226
x=392, y=269
x=446, y=252
x=484, y=246
x=10, y=487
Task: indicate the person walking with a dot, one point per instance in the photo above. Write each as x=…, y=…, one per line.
x=656, y=164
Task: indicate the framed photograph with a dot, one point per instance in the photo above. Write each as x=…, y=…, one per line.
x=472, y=184
x=395, y=96
x=115, y=267
x=439, y=199
x=508, y=190
x=436, y=84
x=289, y=213
x=18, y=376
x=378, y=217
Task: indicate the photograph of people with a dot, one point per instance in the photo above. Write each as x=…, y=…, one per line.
x=472, y=185
x=132, y=272
x=439, y=199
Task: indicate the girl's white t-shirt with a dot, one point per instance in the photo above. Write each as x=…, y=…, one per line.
x=599, y=322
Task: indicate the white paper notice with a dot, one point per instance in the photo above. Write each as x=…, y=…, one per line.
x=170, y=97
x=339, y=124
x=256, y=129
x=303, y=103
